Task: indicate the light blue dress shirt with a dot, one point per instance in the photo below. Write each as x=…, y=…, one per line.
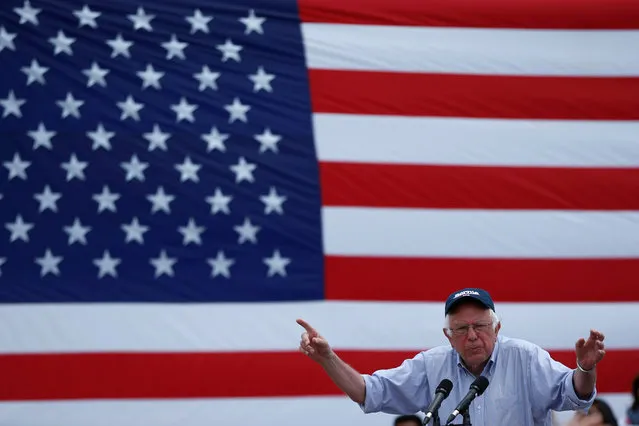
x=525, y=385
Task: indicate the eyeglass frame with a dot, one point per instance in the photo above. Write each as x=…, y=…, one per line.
x=465, y=328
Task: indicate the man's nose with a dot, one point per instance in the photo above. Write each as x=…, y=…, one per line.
x=472, y=334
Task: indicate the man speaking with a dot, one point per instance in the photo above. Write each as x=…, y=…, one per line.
x=524, y=382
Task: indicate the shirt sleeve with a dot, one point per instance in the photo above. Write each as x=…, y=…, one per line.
x=400, y=390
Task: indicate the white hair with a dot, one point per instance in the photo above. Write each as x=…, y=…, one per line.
x=493, y=318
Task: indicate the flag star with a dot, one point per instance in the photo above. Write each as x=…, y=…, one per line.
x=230, y=50
x=41, y=137
x=268, y=140
x=74, y=168
x=163, y=264
x=141, y=21
x=27, y=13
x=237, y=110
x=276, y=264
x=207, y=78
x=134, y=231
x=17, y=167
x=220, y=265
x=261, y=80
x=243, y=170
x=199, y=22
x=35, y=73
x=19, y=229
x=130, y=108
x=87, y=16
x=247, y=232
x=157, y=138
x=191, y=233
x=188, y=170
x=77, y=232
x=219, y=202
x=101, y=138
x=150, y=77
x=6, y=39
x=3, y=260
x=106, y=200
x=120, y=46
x=70, y=106
x=160, y=201
x=96, y=75
x=107, y=265
x=174, y=47
x=253, y=23
x=134, y=168
x=184, y=110
x=48, y=199
x=215, y=140
x=12, y=105
x=273, y=202
x=62, y=43
x=49, y=264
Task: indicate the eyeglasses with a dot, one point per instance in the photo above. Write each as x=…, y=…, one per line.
x=479, y=328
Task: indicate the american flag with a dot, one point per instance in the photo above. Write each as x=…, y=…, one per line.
x=181, y=180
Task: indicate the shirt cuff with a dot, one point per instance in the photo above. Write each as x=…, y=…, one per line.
x=369, y=404
x=576, y=402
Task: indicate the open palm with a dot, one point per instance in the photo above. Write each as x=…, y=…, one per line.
x=591, y=351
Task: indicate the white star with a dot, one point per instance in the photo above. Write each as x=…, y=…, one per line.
x=120, y=46
x=12, y=105
x=3, y=260
x=48, y=199
x=199, y=22
x=174, y=47
x=268, y=140
x=17, y=167
x=49, y=263
x=207, y=78
x=273, y=202
x=6, y=39
x=130, y=108
x=261, y=80
x=74, y=168
x=276, y=264
x=191, y=233
x=70, y=106
x=134, y=169
x=107, y=264
x=41, y=137
x=157, y=138
x=253, y=23
x=19, y=229
x=134, y=231
x=101, y=138
x=141, y=21
x=160, y=201
x=184, y=110
x=87, y=16
x=96, y=75
x=77, y=232
x=243, y=171
x=163, y=264
x=219, y=202
x=27, y=13
x=215, y=140
x=247, y=232
x=35, y=73
x=62, y=43
x=220, y=265
x=188, y=170
x=106, y=200
x=150, y=77
x=230, y=51
x=237, y=110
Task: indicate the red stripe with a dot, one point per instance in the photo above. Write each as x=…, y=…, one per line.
x=200, y=375
x=487, y=96
x=508, y=280
x=549, y=14
x=469, y=187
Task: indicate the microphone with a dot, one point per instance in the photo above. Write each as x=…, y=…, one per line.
x=442, y=392
x=476, y=388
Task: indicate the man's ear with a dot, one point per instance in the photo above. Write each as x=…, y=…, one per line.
x=446, y=334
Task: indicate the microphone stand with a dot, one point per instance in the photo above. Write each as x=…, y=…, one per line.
x=435, y=419
x=465, y=419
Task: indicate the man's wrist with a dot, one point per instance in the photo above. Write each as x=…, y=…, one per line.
x=580, y=368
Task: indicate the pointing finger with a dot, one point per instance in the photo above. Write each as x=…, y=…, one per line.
x=311, y=331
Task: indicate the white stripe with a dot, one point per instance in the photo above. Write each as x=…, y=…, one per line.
x=272, y=326
x=486, y=142
x=472, y=50
x=480, y=234
x=313, y=411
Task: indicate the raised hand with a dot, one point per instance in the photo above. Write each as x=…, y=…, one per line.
x=591, y=351
x=312, y=344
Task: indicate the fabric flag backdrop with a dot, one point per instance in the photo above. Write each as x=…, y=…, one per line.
x=182, y=180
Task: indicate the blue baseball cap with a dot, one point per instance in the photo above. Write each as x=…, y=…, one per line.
x=477, y=294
